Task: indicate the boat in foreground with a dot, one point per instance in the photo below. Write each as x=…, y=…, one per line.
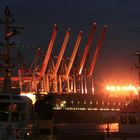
x=129, y=123
x=17, y=118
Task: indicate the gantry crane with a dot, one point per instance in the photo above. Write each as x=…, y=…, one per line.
x=28, y=78
x=65, y=77
x=99, y=45
x=58, y=62
x=92, y=65
x=88, y=44
x=46, y=60
x=48, y=53
x=61, y=52
x=79, y=75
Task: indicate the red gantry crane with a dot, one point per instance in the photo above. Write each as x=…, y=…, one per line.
x=56, y=67
x=92, y=65
x=48, y=53
x=46, y=60
x=58, y=62
x=88, y=43
x=65, y=77
x=73, y=54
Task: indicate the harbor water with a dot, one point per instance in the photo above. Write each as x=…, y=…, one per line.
x=83, y=131
x=85, y=127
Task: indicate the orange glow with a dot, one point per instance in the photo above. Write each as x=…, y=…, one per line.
x=120, y=88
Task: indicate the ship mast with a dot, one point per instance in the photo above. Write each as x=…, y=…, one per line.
x=138, y=67
x=10, y=31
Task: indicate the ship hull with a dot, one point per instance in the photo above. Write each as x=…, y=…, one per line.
x=85, y=116
x=76, y=108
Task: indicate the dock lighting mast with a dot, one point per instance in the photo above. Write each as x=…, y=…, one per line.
x=10, y=31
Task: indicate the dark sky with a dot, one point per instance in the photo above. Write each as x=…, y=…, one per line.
x=115, y=63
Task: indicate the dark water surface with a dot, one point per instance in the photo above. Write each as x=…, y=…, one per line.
x=86, y=127
x=83, y=131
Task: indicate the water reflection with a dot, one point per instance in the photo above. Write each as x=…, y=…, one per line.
x=86, y=127
x=113, y=127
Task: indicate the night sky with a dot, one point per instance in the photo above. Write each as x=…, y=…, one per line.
x=115, y=63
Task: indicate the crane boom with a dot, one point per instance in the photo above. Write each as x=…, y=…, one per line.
x=48, y=53
x=99, y=45
x=73, y=54
x=88, y=43
x=56, y=67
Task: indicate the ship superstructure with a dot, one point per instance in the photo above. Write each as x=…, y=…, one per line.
x=7, y=64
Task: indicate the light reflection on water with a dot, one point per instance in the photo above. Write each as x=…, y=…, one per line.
x=113, y=127
x=86, y=127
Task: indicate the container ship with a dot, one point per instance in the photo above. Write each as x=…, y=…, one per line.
x=76, y=108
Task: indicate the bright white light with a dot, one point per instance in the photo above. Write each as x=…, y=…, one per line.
x=122, y=88
x=30, y=95
x=92, y=90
